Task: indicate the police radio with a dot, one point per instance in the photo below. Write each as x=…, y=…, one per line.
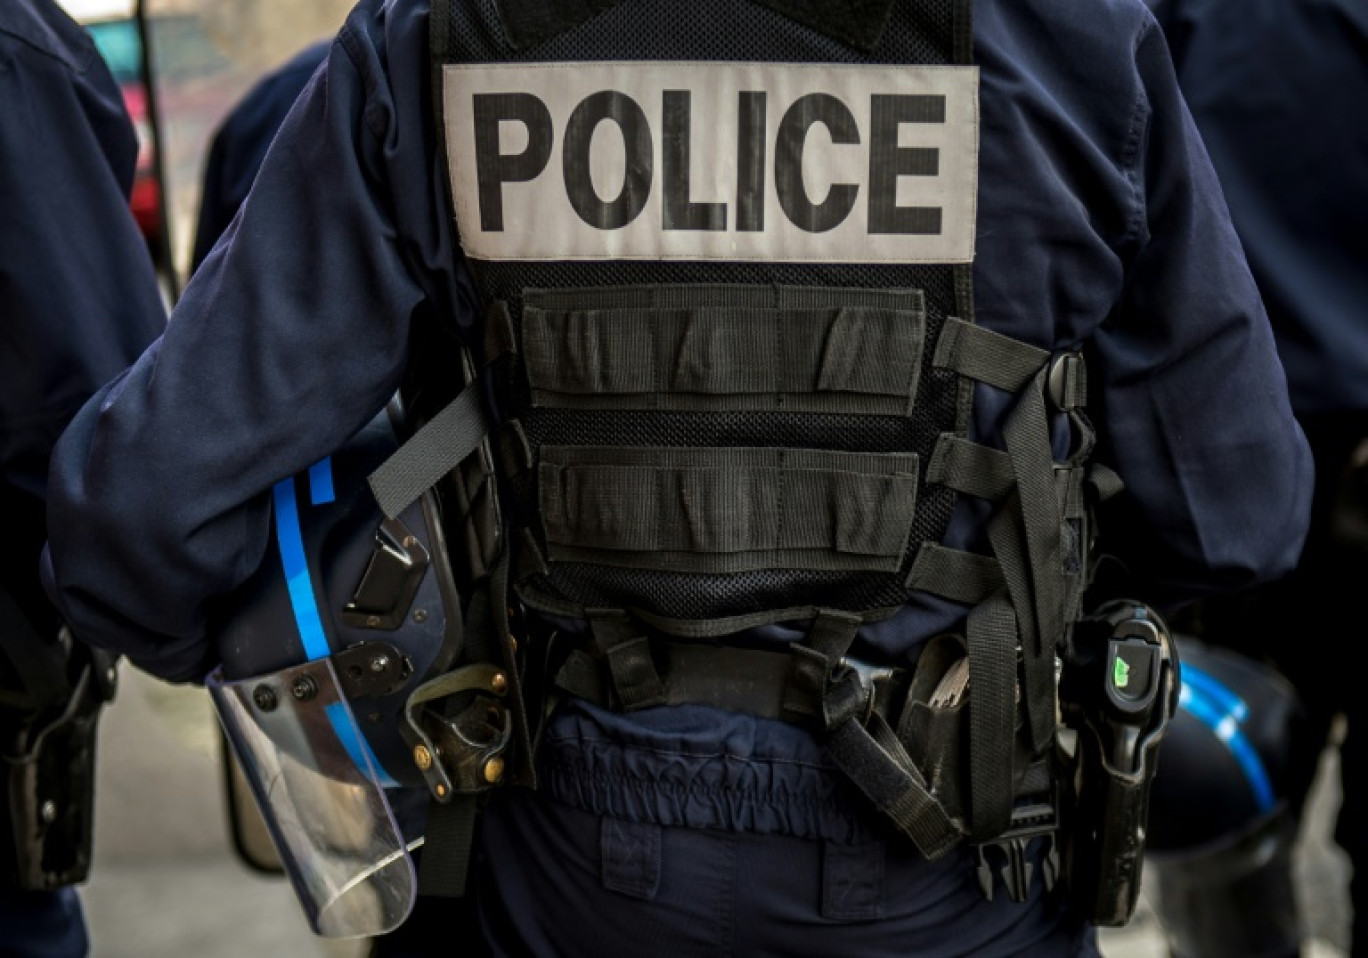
x=1118, y=690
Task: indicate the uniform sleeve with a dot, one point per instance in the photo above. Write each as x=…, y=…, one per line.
x=291, y=336
x=78, y=296
x=1191, y=398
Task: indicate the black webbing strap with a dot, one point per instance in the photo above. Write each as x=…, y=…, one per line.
x=1026, y=532
x=970, y=467
x=953, y=574
x=1027, y=435
x=749, y=681
x=873, y=758
x=988, y=357
x=627, y=650
x=432, y=452
x=447, y=846
x=991, y=634
x=39, y=662
x=450, y=830
x=1025, y=536
x=1104, y=481
x=859, y=740
x=450, y=834
x=813, y=660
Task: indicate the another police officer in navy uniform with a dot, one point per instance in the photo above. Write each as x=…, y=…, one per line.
x=78, y=302
x=1276, y=91
x=780, y=313
x=239, y=144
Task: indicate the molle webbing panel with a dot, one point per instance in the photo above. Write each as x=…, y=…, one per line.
x=727, y=510
x=805, y=350
x=847, y=375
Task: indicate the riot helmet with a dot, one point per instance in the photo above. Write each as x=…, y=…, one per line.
x=322, y=651
x=1222, y=822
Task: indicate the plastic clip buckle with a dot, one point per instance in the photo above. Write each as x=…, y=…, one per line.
x=1029, y=823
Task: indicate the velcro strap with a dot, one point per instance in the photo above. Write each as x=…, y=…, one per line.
x=986, y=356
x=727, y=510
x=877, y=763
x=733, y=347
x=432, y=452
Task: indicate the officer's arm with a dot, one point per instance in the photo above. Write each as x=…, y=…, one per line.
x=1191, y=396
x=291, y=336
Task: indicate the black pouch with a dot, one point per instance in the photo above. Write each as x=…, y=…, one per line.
x=49, y=781
x=935, y=722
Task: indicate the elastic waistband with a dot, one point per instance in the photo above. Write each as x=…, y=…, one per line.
x=743, y=774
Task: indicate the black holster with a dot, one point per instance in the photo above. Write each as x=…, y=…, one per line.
x=47, y=773
x=1118, y=690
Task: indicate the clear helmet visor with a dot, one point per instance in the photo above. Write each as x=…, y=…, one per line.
x=319, y=789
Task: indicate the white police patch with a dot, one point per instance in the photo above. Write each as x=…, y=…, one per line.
x=779, y=162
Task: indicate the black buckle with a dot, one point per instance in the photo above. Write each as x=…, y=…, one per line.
x=1030, y=823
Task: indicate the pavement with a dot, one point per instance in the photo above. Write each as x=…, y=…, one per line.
x=167, y=883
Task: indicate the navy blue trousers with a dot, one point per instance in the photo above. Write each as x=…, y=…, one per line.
x=556, y=881
x=35, y=924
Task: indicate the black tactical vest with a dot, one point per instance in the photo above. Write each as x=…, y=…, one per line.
x=726, y=283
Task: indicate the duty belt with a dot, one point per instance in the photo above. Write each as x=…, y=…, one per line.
x=899, y=734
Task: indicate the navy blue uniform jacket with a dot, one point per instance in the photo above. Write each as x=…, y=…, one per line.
x=240, y=144
x=1277, y=91
x=78, y=297
x=1099, y=223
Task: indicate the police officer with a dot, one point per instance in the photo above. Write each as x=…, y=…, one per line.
x=78, y=302
x=1276, y=91
x=239, y=144
x=956, y=234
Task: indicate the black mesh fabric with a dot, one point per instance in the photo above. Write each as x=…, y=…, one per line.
x=705, y=30
x=717, y=30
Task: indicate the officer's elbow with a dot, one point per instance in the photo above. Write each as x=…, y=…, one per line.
x=1275, y=529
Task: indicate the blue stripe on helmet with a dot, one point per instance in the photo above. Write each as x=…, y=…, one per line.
x=290, y=539
x=1218, y=693
x=356, y=745
x=1225, y=725
x=321, y=482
